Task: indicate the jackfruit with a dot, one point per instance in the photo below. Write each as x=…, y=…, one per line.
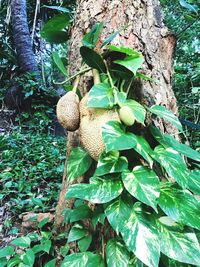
x=91, y=122
x=126, y=116
x=68, y=111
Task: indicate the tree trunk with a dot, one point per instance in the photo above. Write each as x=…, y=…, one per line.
x=21, y=37
x=145, y=33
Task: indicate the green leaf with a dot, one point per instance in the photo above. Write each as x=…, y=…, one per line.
x=192, y=8
x=117, y=254
x=179, y=245
x=100, y=191
x=143, y=148
x=143, y=184
x=92, y=59
x=166, y=115
x=23, y=241
x=85, y=259
x=132, y=63
x=59, y=63
x=194, y=181
x=3, y=262
x=58, y=8
x=51, y=263
x=43, y=222
x=173, y=164
x=115, y=138
x=181, y=206
x=15, y=261
x=76, y=233
x=110, y=163
x=125, y=50
x=90, y=39
x=138, y=110
x=52, y=30
x=78, y=163
x=29, y=258
x=168, y=141
x=84, y=243
x=80, y=213
x=101, y=96
x=7, y=251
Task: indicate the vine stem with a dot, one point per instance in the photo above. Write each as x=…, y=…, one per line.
x=73, y=76
x=76, y=83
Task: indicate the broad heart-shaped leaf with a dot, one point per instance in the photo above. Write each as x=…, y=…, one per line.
x=194, y=181
x=76, y=233
x=7, y=251
x=85, y=242
x=143, y=184
x=141, y=237
x=144, y=149
x=84, y=259
x=79, y=213
x=173, y=164
x=138, y=110
x=29, y=258
x=137, y=229
x=115, y=138
x=78, y=163
x=99, y=191
x=23, y=241
x=101, y=96
x=118, y=211
x=92, y=59
x=181, y=206
x=111, y=162
x=168, y=141
x=117, y=254
x=166, y=115
x=59, y=63
x=125, y=50
x=90, y=39
x=132, y=63
x=179, y=245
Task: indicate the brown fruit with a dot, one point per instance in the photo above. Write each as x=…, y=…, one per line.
x=92, y=119
x=68, y=111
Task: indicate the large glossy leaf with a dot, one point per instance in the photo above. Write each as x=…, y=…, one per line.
x=76, y=233
x=100, y=191
x=78, y=163
x=101, y=96
x=168, y=141
x=181, y=206
x=85, y=242
x=173, y=164
x=85, y=259
x=92, y=59
x=90, y=39
x=111, y=163
x=29, y=258
x=125, y=50
x=23, y=241
x=115, y=137
x=7, y=251
x=194, y=181
x=144, y=149
x=143, y=184
x=138, y=110
x=59, y=63
x=118, y=212
x=117, y=254
x=166, y=115
x=180, y=245
x=132, y=63
x=141, y=237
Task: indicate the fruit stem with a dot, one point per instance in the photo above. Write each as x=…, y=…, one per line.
x=96, y=76
x=73, y=76
x=76, y=83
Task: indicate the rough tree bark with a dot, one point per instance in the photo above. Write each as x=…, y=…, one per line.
x=147, y=34
x=22, y=38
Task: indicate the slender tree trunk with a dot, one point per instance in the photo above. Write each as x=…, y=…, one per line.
x=145, y=33
x=22, y=38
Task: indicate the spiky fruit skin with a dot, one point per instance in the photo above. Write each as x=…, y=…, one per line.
x=126, y=116
x=91, y=122
x=68, y=111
